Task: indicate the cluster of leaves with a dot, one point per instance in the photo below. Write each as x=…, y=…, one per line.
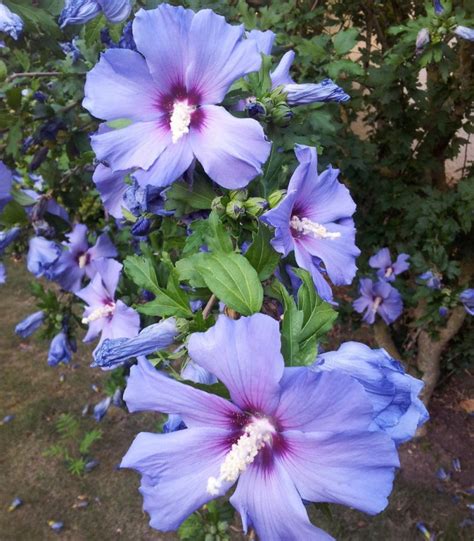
x=74, y=446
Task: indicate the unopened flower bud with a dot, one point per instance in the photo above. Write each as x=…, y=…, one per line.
x=235, y=209
x=217, y=205
x=275, y=197
x=422, y=40
x=238, y=195
x=255, y=205
x=256, y=110
x=282, y=115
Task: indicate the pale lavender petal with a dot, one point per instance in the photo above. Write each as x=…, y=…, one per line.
x=137, y=145
x=161, y=35
x=381, y=260
x=306, y=261
x=217, y=56
x=104, y=247
x=175, y=469
x=401, y=264
x=249, y=366
x=280, y=218
x=354, y=468
x=281, y=74
x=6, y=178
x=109, y=270
x=114, y=84
x=330, y=400
x=78, y=239
x=115, y=10
x=111, y=187
x=94, y=294
x=150, y=390
x=170, y=165
x=268, y=500
x=263, y=39
x=124, y=323
x=231, y=150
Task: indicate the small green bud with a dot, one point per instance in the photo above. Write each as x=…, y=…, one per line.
x=255, y=205
x=235, y=209
x=217, y=205
x=282, y=115
x=238, y=195
x=275, y=198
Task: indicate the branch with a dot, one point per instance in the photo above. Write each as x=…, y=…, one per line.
x=384, y=339
x=209, y=305
x=41, y=74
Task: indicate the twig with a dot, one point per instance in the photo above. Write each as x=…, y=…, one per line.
x=40, y=74
x=209, y=305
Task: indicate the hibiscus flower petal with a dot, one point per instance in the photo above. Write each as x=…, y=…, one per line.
x=111, y=187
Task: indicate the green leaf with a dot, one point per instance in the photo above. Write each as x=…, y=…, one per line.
x=291, y=326
x=233, y=280
x=22, y=198
x=261, y=254
x=88, y=440
x=119, y=123
x=345, y=40
x=13, y=214
x=13, y=140
x=92, y=30
x=217, y=237
x=188, y=270
x=347, y=66
x=34, y=17
x=182, y=195
x=142, y=272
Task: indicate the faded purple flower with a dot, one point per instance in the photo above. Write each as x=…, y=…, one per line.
x=78, y=259
x=467, y=298
x=105, y=315
x=314, y=220
x=464, y=32
x=422, y=40
x=431, y=279
x=30, y=324
x=82, y=11
x=10, y=23
x=60, y=350
x=386, y=270
x=284, y=437
x=378, y=298
x=6, y=178
x=167, y=93
x=42, y=256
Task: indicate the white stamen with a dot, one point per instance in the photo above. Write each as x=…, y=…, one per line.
x=307, y=227
x=388, y=272
x=377, y=303
x=102, y=311
x=242, y=454
x=181, y=119
x=83, y=259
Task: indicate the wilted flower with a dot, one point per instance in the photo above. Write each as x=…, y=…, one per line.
x=79, y=260
x=105, y=315
x=378, y=298
x=387, y=270
x=189, y=61
x=17, y=502
x=286, y=436
x=314, y=220
x=432, y=279
x=7, y=237
x=60, y=350
x=467, y=298
x=297, y=94
x=100, y=409
x=422, y=40
x=55, y=525
x=394, y=394
x=113, y=353
x=70, y=48
x=30, y=324
x=42, y=256
x=6, y=178
x=10, y=23
x=438, y=7
x=82, y=11
x=464, y=32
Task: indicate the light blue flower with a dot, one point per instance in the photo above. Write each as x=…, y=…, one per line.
x=467, y=298
x=285, y=436
x=7, y=237
x=378, y=298
x=394, y=394
x=188, y=62
x=30, y=324
x=431, y=279
x=60, y=350
x=386, y=270
x=113, y=353
x=464, y=32
x=10, y=23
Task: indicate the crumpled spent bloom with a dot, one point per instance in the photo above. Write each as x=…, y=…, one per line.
x=82, y=11
x=284, y=436
x=297, y=94
x=438, y=7
x=70, y=48
x=431, y=279
x=60, y=350
x=386, y=270
x=185, y=64
x=394, y=394
x=105, y=315
x=7, y=237
x=314, y=220
x=10, y=23
x=78, y=259
x=6, y=179
x=42, y=204
x=378, y=298
x=30, y=324
x=467, y=298
x=422, y=40
x=42, y=256
x=101, y=408
x=464, y=32
x=113, y=353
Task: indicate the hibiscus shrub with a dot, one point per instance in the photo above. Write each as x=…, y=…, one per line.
x=168, y=170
